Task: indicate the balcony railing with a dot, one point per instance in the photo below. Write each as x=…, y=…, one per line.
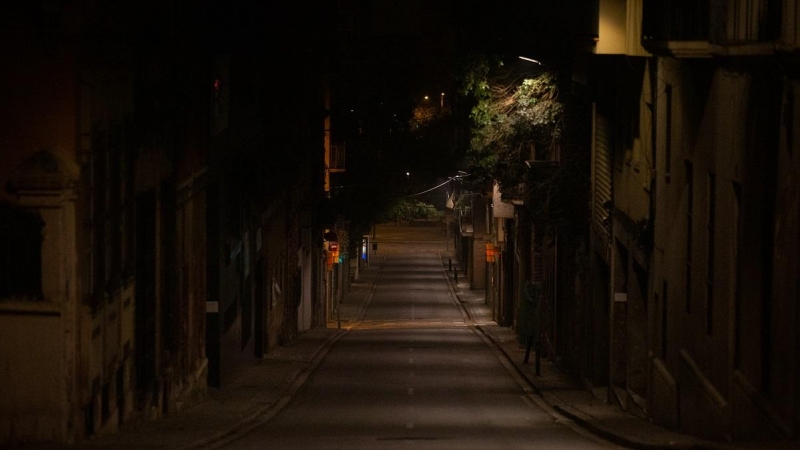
x=675, y=20
x=667, y=23
x=751, y=21
x=791, y=24
x=337, y=161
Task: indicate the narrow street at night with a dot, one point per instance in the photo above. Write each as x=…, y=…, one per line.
x=414, y=373
x=369, y=224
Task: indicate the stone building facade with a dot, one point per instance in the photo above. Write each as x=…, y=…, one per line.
x=160, y=193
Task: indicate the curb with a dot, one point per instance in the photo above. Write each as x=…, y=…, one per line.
x=588, y=425
x=521, y=373
x=296, y=381
x=459, y=302
x=267, y=412
x=365, y=303
x=578, y=418
x=586, y=422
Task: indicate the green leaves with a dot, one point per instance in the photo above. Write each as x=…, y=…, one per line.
x=516, y=117
x=409, y=209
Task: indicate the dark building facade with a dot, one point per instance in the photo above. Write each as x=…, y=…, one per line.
x=680, y=301
x=161, y=170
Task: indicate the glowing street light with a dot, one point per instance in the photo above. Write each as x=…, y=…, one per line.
x=524, y=58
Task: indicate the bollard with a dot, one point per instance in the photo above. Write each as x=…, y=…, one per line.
x=538, y=359
x=449, y=264
x=455, y=277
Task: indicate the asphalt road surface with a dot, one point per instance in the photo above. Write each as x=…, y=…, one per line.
x=414, y=374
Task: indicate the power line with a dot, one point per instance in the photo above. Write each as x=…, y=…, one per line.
x=437, y=187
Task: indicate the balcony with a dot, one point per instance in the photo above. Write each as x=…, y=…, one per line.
x=685, y=28
x=336, y=164
x=791, y=25
x=679, y=28
x=752, y=21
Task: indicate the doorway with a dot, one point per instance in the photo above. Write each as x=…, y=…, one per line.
x=145, y=290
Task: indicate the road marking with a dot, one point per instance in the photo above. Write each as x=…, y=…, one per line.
x=411, y=360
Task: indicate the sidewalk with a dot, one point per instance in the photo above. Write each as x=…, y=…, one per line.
x=575, y=402
x=258, y=394
x=260, y=391
x=264, y=388
x=353, y=305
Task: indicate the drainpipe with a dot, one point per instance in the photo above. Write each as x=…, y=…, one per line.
x=651, y=282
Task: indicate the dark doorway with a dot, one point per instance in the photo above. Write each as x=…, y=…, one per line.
x=598, y=320
x=168, y=235
x=509, y=294
x=212, y=282
x=145, y=290
x=259, y=308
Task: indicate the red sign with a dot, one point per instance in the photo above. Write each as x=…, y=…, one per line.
x=333, y=246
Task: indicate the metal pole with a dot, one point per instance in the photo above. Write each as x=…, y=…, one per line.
x=447, y=234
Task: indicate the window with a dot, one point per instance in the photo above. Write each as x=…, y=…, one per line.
x=20, y=253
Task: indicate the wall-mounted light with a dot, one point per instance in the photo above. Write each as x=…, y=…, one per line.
x=525, y=58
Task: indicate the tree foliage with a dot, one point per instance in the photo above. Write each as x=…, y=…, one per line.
x=517, y=116
x=409, y=209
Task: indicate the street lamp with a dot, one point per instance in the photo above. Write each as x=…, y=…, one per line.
x=524, y=58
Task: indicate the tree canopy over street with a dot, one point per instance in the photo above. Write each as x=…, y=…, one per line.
x=516, y=117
